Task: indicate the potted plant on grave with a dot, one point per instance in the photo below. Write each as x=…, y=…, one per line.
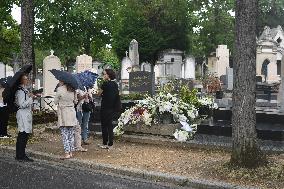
x=213, y=85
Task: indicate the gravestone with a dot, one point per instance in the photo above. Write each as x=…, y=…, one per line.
x=189, y=68
x=2, y=70
x=229, y=78
x=49, y=81
x=141, y=81
x=133, y=53
x=258, y=79
x=83, y=63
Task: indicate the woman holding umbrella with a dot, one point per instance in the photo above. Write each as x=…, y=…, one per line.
x=65, y=99
x=24, y=101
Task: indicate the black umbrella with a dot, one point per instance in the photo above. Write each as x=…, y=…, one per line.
x=65, y=77
x=4, y=81
x=15, y=81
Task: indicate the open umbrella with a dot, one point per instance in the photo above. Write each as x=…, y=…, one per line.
x=4, y=81
x=87, y=78
x=65, y=77
x=15, y=80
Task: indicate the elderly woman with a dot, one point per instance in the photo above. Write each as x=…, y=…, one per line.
x=24, y=101
x=65, y=99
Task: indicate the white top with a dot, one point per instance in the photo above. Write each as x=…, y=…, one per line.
x=1, y=98
x=24, y=114
x=86, y=99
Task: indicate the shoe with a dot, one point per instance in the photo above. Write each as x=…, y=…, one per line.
x=104, y=146
x=66, y=156
x=5, y=136
x=81, y=149
x=110, y=147
x=85, y=143
x=25, y=159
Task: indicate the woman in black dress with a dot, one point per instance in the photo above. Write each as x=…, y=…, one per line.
x=110, y=94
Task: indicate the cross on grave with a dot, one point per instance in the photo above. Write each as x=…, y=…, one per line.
x=126, y=53
x=51, y=52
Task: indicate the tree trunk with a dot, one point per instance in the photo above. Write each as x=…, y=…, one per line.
x=246, y=151
x=27, y=32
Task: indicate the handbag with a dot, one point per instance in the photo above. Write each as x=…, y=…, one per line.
x=87, y=106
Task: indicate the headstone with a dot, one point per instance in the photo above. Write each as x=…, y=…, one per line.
x=125, y=68
x=2, y=70
x=133, y=53
x=222, y=54
x=229, y=78
x=272, y=72
x=145, y=67
x=49, y=81
x=281, y=89
x=189, y=68
x=83, y=63
x=141, y=81
x=258, y=79
x=37, y=84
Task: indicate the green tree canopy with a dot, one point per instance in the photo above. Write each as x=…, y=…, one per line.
x=71, y=27
x=156, y=25
x=9, y=32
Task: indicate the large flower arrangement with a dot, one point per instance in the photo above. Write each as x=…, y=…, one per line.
x=149, y=111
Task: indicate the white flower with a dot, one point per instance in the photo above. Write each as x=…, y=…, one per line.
x=118, y=131
x=181, y=135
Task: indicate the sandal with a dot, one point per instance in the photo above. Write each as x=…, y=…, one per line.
x=66, y=157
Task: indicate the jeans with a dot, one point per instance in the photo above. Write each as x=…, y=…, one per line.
x=83, y=118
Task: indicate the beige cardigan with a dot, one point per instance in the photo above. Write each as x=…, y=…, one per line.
x=65, y=109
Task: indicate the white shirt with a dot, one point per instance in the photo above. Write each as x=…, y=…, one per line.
x=1, y=98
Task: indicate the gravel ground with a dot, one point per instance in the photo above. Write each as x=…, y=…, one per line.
x=192, y=163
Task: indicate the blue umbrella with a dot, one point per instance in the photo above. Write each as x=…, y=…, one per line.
x=87, y=78
x=65, y=77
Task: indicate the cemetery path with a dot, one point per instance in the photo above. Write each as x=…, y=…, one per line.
x=44, y=175
x=198, y=164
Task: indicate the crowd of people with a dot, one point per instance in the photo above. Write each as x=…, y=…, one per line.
x=74, y=108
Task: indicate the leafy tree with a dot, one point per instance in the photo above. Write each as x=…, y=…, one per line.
x=271, y=13
x=212, y=24
x=9, y=32
x=72, y=27
x=109, y=58
x=156, y=25
x=246, y=151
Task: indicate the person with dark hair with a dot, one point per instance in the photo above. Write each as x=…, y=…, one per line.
x=67, y=121
x=109, y=93
x=24, y=101
x=4, y=115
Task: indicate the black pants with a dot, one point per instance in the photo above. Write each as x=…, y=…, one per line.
x=4, y=117
x=107, y=127
x=21, y=144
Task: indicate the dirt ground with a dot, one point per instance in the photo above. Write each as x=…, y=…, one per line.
x=192, y=163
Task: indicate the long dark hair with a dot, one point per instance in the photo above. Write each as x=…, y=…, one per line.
x=69, y=88
x=110, y=73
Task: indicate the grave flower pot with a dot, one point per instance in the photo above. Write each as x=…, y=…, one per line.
x=167, y=118
x=219, y=94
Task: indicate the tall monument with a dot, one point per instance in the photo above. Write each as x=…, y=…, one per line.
x=134, y=55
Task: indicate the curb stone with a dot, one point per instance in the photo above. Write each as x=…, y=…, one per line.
x=131, y=172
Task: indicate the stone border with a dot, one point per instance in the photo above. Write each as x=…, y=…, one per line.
x=130, y=172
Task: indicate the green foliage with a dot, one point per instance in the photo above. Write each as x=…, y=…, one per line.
x=189, y=96
x=156, y=25
x=109, y=58
x=9, y=32
x=72, y=27
x=134, y=96
x=271, y=13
